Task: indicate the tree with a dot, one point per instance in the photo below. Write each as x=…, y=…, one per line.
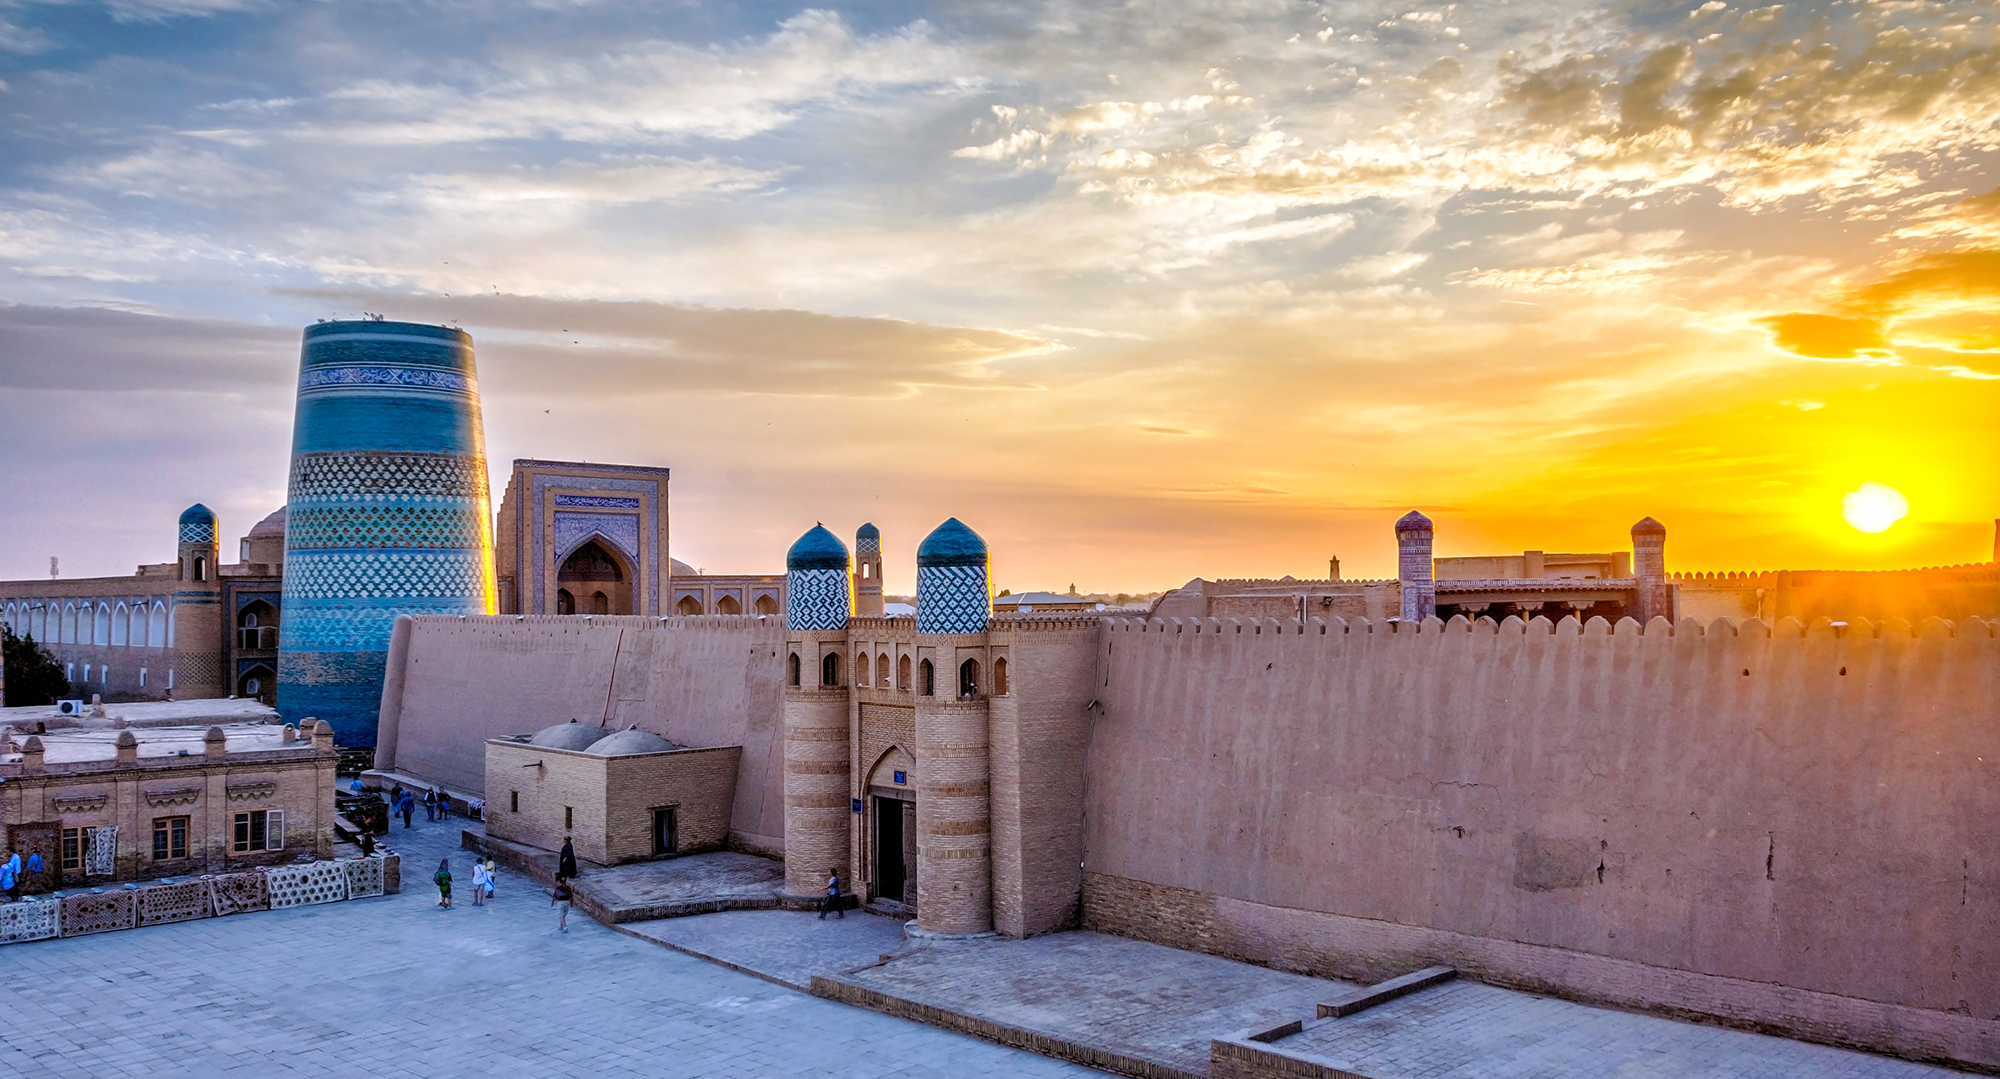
x=33, y=675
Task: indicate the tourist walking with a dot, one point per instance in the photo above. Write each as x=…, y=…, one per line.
x=10, y=876
x=832, y=901
x=35, y=868
x=566, y=863
x=409, y=806
x=489, y=878
x=444, y=806
x=560, y=898
x=478, y=883
x=430, y=805
x=443, y=879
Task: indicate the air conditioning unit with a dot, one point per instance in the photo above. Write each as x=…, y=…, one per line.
x=69, y=708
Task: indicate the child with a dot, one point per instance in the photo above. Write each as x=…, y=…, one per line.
x=560, y=898
x=489, y=878
x=443, y=879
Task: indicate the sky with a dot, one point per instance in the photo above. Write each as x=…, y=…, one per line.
x=1140, y=291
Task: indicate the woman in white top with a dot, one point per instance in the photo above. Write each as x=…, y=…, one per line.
x=478, y=884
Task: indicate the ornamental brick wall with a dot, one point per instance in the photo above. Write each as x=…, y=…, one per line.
x=1040, y=732
x=702, y=682
x=1788, y=829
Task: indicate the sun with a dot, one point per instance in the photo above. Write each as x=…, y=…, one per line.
x=1874, y=507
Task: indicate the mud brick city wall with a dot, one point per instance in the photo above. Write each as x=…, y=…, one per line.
x=701, y=682
x=1039, y=733
x=1787, y=828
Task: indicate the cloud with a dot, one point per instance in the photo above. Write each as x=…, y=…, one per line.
x=121, y=352
x=1825, y=337
x=586, y=347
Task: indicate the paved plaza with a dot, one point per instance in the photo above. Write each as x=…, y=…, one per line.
x=395, y=986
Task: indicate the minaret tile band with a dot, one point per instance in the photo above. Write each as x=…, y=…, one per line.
x=953, y=594
x=388, y=511
x=818, y=595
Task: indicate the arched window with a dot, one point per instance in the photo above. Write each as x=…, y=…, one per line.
x=565, y=602
x=1000, y=677
x=882, y=670
x=794, y=665
x=865, y=567
x=200, y=568
x=69, y=618
x=690, y=605
x=766, y=605
x=728, y=605
x=120, y=619
x=257, y=627
x=903, y=673
x=600, y=603
x=929, y=675
x=829, y=669
x=968, y=678
x=863, y=667
x=100, y=625
x=156, y=626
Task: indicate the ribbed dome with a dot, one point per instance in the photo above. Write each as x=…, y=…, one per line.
x=1413, y=522
x=952, y=544
x=571, y=735
x=817, y=549
x=274, y=525
x=627, y=742
x=198, y=514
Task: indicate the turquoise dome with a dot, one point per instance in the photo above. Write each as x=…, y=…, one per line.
x=867, y=532
x=817, y=549
x=198, y=514
x=952, y=544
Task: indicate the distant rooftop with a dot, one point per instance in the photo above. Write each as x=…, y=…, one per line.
x=204, y=711
x=81, y=746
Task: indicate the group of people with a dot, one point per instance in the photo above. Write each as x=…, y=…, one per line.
x=437, y=804
x=483, y=877
x=14, y=872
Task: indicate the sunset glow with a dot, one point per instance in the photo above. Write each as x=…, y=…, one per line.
x=1140, y=293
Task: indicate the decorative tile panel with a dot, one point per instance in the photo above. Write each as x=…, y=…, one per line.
x=817, y=599
x=604, y=502
x=621, y=528
x=952, y=599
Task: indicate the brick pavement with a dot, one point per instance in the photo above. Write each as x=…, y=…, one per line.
x=395, y=986
x=1465, y=1030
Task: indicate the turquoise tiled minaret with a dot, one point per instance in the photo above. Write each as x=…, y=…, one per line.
x=388, y=511
x=952, y=588
x=818, y=595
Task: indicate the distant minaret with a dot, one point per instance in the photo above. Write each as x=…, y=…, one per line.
x=1413, y=567
x=867, y=572
x=1649, y=564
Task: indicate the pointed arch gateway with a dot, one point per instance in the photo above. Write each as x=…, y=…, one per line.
x=891, y=827
x=595, y=577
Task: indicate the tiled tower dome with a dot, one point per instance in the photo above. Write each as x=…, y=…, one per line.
x=817, y=592
x=952, y=591
x=197, y=524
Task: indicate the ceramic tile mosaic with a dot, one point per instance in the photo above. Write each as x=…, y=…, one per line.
x=816, y=599
x=952, y=599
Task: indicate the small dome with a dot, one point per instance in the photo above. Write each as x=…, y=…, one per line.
x=197, y=524
x=867, y=532
x=630, y=741
x=952, y=544
x=273, y=525
x=678, y=568
x=1649, y=527
x=197, y=514
x=571, y=735
x=1413, y=522
x=817, y=549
